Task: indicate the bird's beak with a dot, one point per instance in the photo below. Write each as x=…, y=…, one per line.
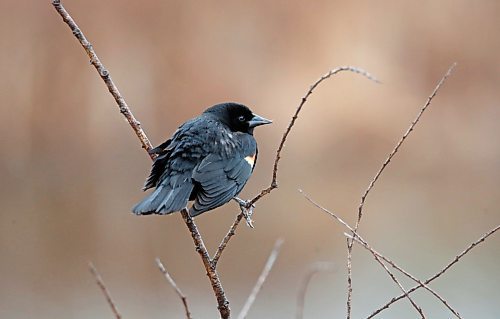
x=258, y=120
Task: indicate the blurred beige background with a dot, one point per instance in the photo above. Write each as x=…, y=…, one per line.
x=71, y=168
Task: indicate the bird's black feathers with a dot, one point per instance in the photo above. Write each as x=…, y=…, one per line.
x=208, y=159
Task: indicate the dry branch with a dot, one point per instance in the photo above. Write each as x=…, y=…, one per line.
x=437, y=275
x=172, y=283
x=400, y=286
x=274, y=181
x=223, y=304
x=104, y=290
x=262, y=278
x=377, y=175
x=105, y=76
x=376, y=254
x=379, y=256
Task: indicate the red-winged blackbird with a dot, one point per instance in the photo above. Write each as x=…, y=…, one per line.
x=208, y=159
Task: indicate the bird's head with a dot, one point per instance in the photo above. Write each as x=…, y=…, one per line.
x=238, y=117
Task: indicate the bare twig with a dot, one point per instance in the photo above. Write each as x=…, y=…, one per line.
x=262, y=278
x=377, y=255
x=379, y=172
x=176, y=288
x=223, y=304
x=393, y=278
x=274, y=181
x=349, y=280
x=400, y=142
x=225, y=240
x=104, y=290
x=105, y=76
x=301, y=296
x=441, y=272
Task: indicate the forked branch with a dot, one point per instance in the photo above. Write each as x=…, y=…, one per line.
x=357, y=237
x=377, y=175
x=441, y=272
x=274, y=181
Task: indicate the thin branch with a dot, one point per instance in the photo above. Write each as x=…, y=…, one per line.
x=400, y=286
x=377, y=255
x=441, y=272
x=301, y=296
x=223, y=303
x=349, y=281
x=400, y=142
x=105, y=76
x=225, y=240
x=274, y=181
x=104, y=290
x=172, y=283
x=379, y=172
x=262, y=278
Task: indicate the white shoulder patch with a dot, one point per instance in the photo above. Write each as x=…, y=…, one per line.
x=250, y=160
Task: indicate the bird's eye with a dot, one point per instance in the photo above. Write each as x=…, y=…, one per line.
x=241, y=118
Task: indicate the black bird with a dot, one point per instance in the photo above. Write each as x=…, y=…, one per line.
x=208, y=159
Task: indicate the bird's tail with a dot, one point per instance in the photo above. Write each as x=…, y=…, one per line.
x=164, y=200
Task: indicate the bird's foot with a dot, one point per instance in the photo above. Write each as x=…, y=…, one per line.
x=246, y=210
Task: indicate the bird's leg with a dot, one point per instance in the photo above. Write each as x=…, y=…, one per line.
x=245, y=210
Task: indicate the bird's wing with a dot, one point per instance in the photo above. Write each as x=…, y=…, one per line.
x=219, y=179
x=168, y=150
x=159, y=164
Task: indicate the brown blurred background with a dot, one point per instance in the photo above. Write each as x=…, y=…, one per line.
x=71, y=168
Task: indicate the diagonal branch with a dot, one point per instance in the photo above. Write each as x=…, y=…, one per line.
x=105, y=76
x=104, y=290
x=377, y=258
x=400, y=142
x=357, y=237
x=393, y=278
x=376, y=254
x=172, y=283
x=274, y=181
x=223, y=303
x=441, y=272
x=262, y=278
x=377, y=175
x=225, y=240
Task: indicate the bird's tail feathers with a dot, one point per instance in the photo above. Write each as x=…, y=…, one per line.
x=164, y=200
